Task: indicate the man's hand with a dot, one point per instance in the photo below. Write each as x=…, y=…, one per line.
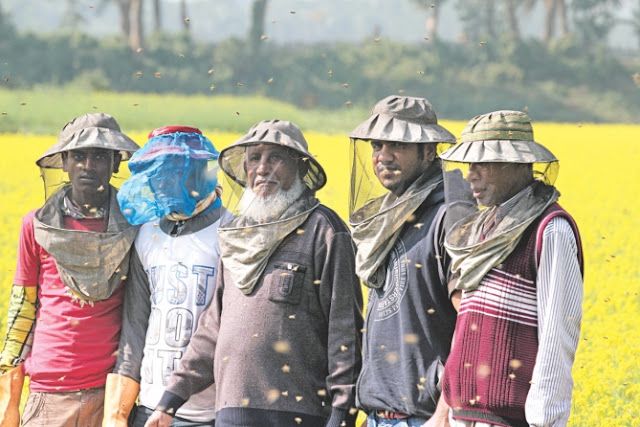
x=440, y=417
x=456, y=298
x=437, y=421
x=10, y=391
x=159, y=419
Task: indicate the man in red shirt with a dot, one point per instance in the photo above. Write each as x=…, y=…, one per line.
x=66, y=302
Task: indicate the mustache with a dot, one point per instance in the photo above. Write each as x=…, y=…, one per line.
x=390, y=168
x=88, y=175
x=265, y=181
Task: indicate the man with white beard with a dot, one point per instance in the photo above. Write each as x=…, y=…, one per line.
x=281, y=338
x=260, y=208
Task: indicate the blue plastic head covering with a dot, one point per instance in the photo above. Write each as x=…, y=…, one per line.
x=171, y=173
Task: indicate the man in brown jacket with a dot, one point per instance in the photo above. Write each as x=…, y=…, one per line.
x=281, y=338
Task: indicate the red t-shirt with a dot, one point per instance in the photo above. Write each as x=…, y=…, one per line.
x=74, y=347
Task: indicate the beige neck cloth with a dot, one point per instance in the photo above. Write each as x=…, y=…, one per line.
x=245, y=248
x=472, y=257
x=91, y=264
x=377, y=224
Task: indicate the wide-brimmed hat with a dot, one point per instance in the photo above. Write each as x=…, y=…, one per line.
x=93, y=130
x=403, y=119
x=275, y=132
x=500, y=136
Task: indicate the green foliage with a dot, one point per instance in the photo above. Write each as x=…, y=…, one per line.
x=256, y=31
x=461, y=79
x=594, y=20
x=44, y=110
x=478, y=18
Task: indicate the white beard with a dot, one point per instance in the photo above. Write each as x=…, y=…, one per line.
x=260, y=209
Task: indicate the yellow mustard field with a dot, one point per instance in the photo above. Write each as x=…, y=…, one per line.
x=599, y=181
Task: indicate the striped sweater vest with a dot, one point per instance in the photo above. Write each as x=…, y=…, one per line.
x=488, y=373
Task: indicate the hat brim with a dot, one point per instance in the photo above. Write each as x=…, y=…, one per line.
x=95, y=137
x=499, y=151
x=231, y=159
x=385, y=127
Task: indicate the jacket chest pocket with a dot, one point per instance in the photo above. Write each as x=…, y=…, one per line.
x=286, y=282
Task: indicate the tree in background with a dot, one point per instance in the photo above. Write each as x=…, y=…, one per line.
x=256, y=30
x=478, y=18
x=6, y=26
x=135, y=25
x=3, y=20
x=184, y=16
x=594, y=20
x=431, y=24
x=157, y=16
x=123, y=9
x=512, y=20
x=72, y=16
x=131, y=27
x=554, y=9
x=635, y=22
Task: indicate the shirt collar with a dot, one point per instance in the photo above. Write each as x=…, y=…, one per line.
x=70, y=209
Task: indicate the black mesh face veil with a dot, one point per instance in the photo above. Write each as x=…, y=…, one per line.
x=234, y=157
x=55, y=178
x=236, y=183
x=90, y=131
x=292, y=168
x=365, y=185
x=393, y=120
x=490, y=142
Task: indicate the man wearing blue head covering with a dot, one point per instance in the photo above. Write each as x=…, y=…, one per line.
x=173, y=191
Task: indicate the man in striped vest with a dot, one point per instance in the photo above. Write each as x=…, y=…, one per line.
x=520, y=271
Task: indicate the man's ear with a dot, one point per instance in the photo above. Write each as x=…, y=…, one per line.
x=117, y=158
x=303, y=167
x=64, y=155
x=429, y=151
